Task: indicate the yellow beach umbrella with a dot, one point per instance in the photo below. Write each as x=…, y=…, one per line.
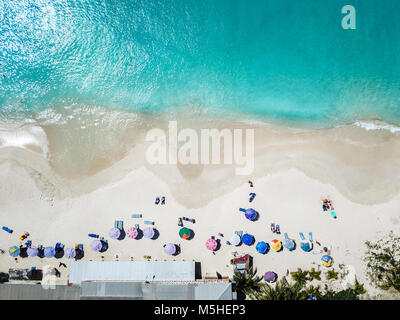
x=276, y=245
x=327, y=260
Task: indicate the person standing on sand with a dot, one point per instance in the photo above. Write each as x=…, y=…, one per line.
x=251, y=183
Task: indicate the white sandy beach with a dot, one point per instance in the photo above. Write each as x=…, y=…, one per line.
x=294, y=169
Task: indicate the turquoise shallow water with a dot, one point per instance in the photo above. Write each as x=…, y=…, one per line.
x=275, y=60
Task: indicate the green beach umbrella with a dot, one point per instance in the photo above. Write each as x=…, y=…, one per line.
x=184, y=233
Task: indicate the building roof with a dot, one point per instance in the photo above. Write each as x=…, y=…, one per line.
x=157, y=291
x=32, y=291
x=131, y=271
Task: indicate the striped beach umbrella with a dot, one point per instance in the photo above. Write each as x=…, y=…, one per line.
x=14, y=251
x=211, y=244
x=70, y=253
x=49, y=252
x=184, y=233
x=327, y=260
x=114, y=233
x=247, y=239
x=170, y=249
x=132, y=233
x=262, y=247
x=148, y=233
x=96, y=245
x=276, y=245
x=32, y=252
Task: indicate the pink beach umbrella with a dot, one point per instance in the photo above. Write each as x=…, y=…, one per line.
x=132, y=233
x=96, y=245
x=70, y=253
x=211, y=244
x=114, y=233
x=148, y=232
x=32, y=252
x=170, y=249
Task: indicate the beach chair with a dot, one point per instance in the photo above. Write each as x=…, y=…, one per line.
x=286, y=236
x=148, y=222
x=7, y=229
x=116, y=224
x=136, y=226
x=318, y=251
x=333, y=214
x=302, y=236
x=120, y=225
x=92, y=235
x=278, y=229
x=136, y=215
x=310, y=236
x=80, y=246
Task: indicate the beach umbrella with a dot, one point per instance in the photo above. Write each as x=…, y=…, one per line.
x=49, y=252
x=114, y=233
x=70, y=253
x=148, y=232
x=289, y=244
x=327, y=260
x=270, y=276
x=249, y=213
x=132, y=233
x=247, y=239
x=211, y=244
x=184, y=233
x=14, y=251
x=262, y=247
x=170, y=249
x=305, y=246
x=32, y=252
x=96, y=245
x=235, y=239
x=276, y=245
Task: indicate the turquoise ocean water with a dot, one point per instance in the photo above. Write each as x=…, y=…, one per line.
x=274, y=60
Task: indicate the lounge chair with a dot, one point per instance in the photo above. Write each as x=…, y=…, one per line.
x=310, y=236
x=302, y=236
x=148, y=222
x=116, y=224
x=286, y=236
x=278, y=229
x=120, y=225
x=239, y=233
x=136, y=215
x=333, y=214
x=136, y=226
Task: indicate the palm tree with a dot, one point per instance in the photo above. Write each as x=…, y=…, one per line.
x=332, y=274
x=312, y=274
x=281, y=291
x=300, y=277
x=247, y=282
x=392, y=281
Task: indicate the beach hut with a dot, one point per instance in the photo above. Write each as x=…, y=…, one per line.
x=211, y=244
x=276, y=245
x=184, y=233
x=327, y=260
x=70, y=253
x=114, y=233
x=132, y=233
x=49, y=252
x=96, y=245
x=306, y=246
x=270, y=277
x=148, y=232
x=247, y=239
x=32, y=252
x=250, y=214
x=289, y=243
x=170, y=249
x=262, y=247
x=235, y=240
x=14, y=251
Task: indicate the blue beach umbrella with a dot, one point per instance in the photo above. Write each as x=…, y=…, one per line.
x=262, y=247
x=14, y=251
x=32, y=252
x=249, y=213
x=49, y=252
x=247, y=239
x=288, y=243
x=305, y=246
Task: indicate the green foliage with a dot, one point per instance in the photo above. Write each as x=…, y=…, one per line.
x=281, y=291
x=312, y=274
x=246, y=282
x=383, y=262
x=300, y=277
x=332, y=274
x=347, y=294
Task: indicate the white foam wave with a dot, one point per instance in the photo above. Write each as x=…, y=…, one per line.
x=25, y=137
x=371, y=126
